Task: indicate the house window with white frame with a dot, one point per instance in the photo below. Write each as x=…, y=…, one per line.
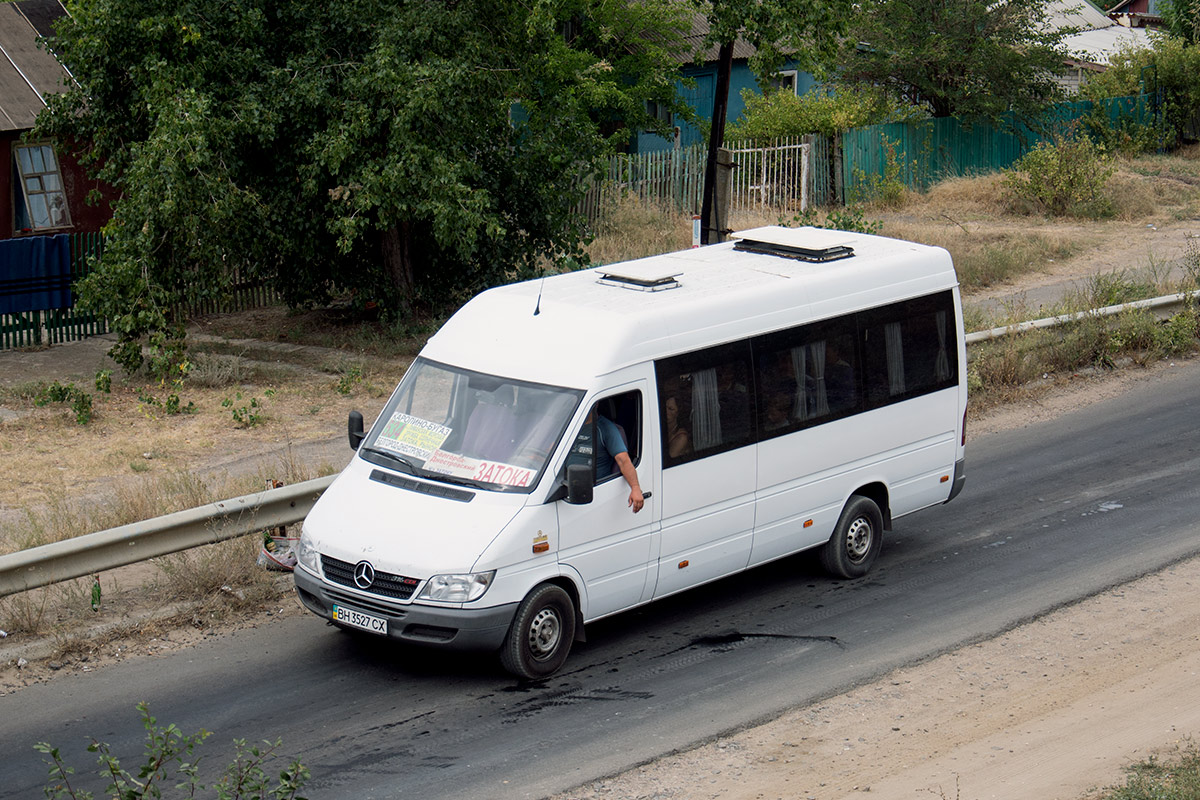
x=785, y=80
x=39, y=202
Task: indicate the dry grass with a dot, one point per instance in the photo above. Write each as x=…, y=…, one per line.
x=1136, y=197
x=633, y=229
x=961, y=199
x=129, y=439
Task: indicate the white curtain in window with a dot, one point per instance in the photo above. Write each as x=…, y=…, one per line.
x=820, y=396
x=706, y=411
x=800, y=370
x=942, y=366
x=895, y=357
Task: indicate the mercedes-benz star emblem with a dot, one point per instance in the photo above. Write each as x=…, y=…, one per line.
x=364, y=574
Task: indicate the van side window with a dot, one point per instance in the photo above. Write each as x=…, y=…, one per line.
x=807, y=375
x=909, y=349
x=616, y=425
x=706, y=402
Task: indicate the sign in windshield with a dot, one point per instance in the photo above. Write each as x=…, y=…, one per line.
x=483, y=429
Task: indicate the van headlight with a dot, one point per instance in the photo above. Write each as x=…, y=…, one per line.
x=457, y=588
x=307, y=554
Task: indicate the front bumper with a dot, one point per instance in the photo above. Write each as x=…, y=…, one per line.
x=453, y=628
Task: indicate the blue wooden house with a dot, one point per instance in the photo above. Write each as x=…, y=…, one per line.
x=700, y=96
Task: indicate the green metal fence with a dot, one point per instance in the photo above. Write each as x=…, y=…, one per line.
x=921, y=153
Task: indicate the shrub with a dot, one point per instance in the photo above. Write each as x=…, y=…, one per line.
x=1167, y=63
x=1126, y=136
x=825, y=111
x=1065, y=177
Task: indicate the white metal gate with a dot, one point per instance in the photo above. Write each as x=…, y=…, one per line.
x=770, y=177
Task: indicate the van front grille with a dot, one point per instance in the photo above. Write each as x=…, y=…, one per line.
x=365, y=603
x=386, y=584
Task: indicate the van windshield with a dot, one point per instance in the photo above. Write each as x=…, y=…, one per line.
x=466, y=427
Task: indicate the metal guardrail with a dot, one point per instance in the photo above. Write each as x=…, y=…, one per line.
x=227, y=519
x=139, y=541
x=1163, y=307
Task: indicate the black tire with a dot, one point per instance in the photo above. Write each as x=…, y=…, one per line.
x=541, y=633
x=856, y=539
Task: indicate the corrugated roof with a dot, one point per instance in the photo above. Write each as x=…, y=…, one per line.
x=1096, y=46
x=1076, y=14
x=1098, y=38
x=27, y=72
x=695, y=38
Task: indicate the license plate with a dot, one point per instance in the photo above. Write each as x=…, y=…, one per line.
x=357, y=619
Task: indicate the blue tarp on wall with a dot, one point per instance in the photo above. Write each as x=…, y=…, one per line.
x=35, y=273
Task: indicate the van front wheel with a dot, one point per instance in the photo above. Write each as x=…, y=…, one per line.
x=541, y=633
x=856, y=540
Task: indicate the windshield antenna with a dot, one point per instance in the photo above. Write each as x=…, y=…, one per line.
x=537, y=309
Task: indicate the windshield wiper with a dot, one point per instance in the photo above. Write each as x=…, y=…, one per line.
x=408, y=466
x=443, y=477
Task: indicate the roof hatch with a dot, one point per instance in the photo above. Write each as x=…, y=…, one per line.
x=641, y=276
x=815, y=245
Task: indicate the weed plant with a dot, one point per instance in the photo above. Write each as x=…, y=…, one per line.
x=1005, y=370
x=171, y=761
x=887, y=190
x=1173, y=777
x=70, y=394
x=850, y=218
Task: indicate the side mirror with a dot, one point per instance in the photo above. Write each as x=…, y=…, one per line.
x=354, y=427
x=579, y=484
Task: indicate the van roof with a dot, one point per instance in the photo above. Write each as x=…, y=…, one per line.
x=586, y=326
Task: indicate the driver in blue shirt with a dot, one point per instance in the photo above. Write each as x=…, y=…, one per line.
x=611, y=455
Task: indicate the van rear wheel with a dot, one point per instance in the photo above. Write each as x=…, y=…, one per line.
x=541, y=633
x=856, y=540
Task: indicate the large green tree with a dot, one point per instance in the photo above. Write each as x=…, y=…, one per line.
x=966, y=58
x=408, y=151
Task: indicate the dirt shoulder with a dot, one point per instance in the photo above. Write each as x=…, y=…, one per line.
x=1053, y=709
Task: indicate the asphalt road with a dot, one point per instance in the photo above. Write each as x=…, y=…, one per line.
x=1051, y=514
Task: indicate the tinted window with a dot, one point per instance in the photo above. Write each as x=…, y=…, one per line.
x=706, y=402
x=807, y=375
x=909, y=349
x=711, y=400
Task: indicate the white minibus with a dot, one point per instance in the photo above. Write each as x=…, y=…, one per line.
x=794, y=388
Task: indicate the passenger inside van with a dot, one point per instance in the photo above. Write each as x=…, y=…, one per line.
x=678, y=441
x=840, y=388
x=781, y=396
